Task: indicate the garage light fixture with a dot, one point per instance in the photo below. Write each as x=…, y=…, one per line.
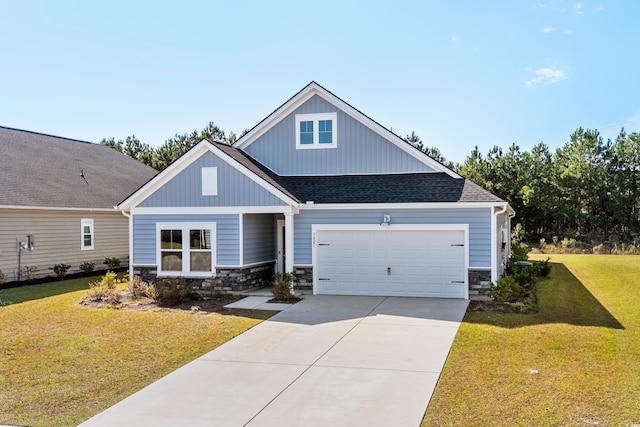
x=386, y=220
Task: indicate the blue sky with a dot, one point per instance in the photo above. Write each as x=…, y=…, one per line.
x=458, y=73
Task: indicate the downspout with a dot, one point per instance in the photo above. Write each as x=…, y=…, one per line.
x=494, y=243
x=128, y=215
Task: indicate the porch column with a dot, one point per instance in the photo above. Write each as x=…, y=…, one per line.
x=288, y=242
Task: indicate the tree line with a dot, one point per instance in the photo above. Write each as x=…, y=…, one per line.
x=588, y=189
x=160, y=158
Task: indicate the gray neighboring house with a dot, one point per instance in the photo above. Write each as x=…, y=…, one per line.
x=62, y=192
x=320, y=190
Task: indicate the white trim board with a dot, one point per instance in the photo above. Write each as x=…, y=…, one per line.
x=213, y=210
x=187, y=159
x=390, y=228
x=314, y=88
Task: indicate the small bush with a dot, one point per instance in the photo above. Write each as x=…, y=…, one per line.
x=29, y=272
x=3, y=278
x=142, y=289
x=87, y=267
x=173, y=290
x=282, y=289
x=60, y=270
x=507, y=289
x=105, y=289
x=541, y=268
x=112, y=262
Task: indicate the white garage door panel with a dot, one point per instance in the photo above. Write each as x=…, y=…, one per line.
x=396, y=263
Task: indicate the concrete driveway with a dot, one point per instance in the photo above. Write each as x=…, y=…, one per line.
x=326, y=361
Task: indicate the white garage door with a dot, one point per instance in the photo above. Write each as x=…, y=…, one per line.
x=390, y=263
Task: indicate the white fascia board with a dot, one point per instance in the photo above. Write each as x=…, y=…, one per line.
x=440, y=205
x=187, y=159
x=213, y=210
x=48, y=208
x=252, y=176
x=165, y=176
x=315, y=89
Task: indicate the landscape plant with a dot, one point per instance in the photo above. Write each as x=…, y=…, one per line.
x=29, y=272
x=173, y=290
x=87, y=267
x=282, y=289
x=106, y=289
x=112, y=262
x=60, y=270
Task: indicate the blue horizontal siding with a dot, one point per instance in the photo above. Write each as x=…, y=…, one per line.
x=234, y=188
x=359, y=149
x=259, y=238
x=479, y=221
x=227, y=238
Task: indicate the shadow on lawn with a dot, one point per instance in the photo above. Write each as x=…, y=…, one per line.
x=26, y=293
x=562, y=298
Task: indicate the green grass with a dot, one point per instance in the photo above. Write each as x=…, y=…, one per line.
x=584, y=341
x=60, y=363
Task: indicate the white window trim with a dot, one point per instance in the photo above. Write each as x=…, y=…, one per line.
x=185, y=227
x=315, y=118
x=209, y=181
x=84, y=222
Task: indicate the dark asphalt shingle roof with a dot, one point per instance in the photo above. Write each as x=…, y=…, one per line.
x=383, y=188
x=389, y=188
x=38, y=170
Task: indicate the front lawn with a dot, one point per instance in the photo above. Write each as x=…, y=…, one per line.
x=60, y=363
x=584, y=342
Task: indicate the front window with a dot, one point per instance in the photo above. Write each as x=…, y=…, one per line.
x=186, y=249
x=316, y=130
x=86, y=234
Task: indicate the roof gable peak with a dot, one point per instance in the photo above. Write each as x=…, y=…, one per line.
x=313, y=89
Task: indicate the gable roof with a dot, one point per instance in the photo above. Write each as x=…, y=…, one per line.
x=237, y=159
x=313, y=89
x=44, y=171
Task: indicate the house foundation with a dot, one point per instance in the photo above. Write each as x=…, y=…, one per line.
x=227, y=279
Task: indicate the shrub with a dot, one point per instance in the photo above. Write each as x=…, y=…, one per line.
x=541, y=268
x=507, y=289
x=29, y=272
x=105, y=289
x=282, y=289
x=142, y=289
x=87, y=267
x=112, y=262
x=173, y=290
x=3, y=278
x=60, y=270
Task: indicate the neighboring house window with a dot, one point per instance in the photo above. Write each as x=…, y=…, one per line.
x=86, y=234
x=186, y=249
x=209, y=181
x=316, y=130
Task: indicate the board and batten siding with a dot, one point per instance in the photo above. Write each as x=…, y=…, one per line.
x=234, y=188
x=227, y=236
x=58, y=239
x=359, y=149
x=479, y=220
x=258, y=234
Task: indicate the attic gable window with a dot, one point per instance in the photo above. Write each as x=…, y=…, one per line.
x=316, y=130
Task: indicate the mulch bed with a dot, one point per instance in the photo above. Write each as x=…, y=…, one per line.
x=206, y=305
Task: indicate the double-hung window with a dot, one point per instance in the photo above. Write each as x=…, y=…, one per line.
x=186, y=249
x=316, y=130
x=86, y=234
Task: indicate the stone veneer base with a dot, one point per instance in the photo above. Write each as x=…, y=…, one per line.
x=227, y=279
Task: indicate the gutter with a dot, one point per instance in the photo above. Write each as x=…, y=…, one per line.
x=494, y=243
x=128, y=215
